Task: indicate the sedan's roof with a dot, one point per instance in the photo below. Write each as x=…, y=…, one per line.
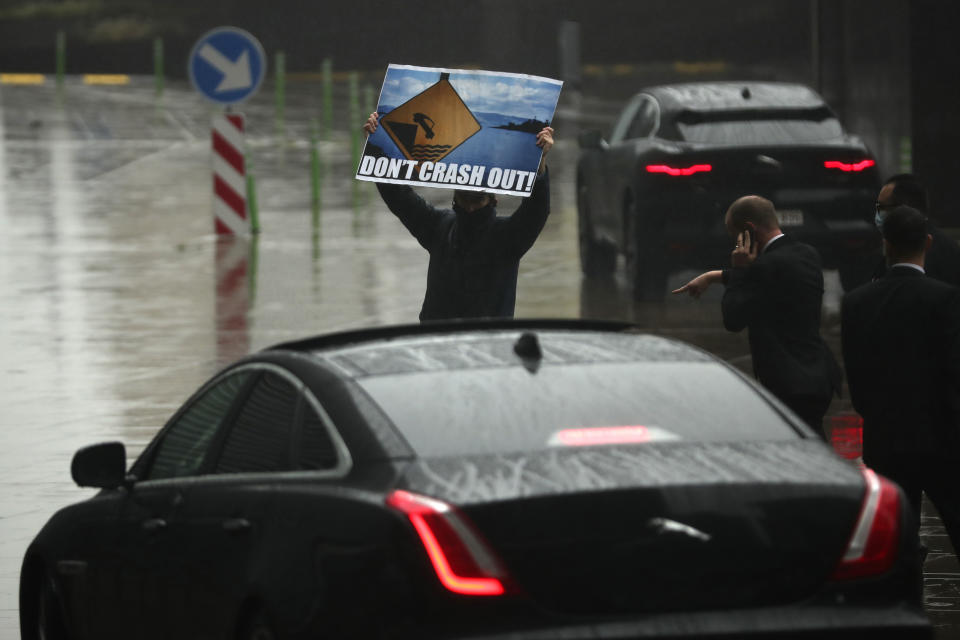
x=721, y=96
x=468, y=345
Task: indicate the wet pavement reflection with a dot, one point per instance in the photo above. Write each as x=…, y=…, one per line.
x=117, y=299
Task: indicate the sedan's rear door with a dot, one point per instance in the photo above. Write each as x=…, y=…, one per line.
x=153, y=557
x=233, y=529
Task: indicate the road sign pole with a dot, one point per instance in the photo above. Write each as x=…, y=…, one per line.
x=229, y=175
x=227, y=66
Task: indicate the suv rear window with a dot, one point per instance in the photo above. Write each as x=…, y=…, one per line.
x=750, y=127
x=503, y=410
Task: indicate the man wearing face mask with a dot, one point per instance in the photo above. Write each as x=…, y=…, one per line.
x=474, y=254
x=943, y=258
x=901, y=348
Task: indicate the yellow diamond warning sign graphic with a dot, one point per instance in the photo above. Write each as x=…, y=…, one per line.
x=431, y=124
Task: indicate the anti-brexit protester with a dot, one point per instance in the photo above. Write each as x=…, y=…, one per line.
x=474, y=253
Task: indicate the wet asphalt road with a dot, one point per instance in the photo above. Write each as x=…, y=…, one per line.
x=117, y=300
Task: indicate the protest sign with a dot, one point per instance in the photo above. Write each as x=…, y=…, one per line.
x=459, y=129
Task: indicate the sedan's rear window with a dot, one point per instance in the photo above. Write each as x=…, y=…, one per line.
x=754, y=132
x=502, y=410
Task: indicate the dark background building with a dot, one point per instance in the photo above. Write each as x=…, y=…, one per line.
x=889, y=67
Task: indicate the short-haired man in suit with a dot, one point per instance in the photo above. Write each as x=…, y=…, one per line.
x=943, y=258
x=775, y=289
x=901, y=349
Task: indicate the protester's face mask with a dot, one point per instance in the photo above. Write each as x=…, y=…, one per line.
x=471, y=203
x=474, y=213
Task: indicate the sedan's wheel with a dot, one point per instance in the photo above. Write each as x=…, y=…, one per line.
x=597, y=259
x=49, y=615
x=644, y=262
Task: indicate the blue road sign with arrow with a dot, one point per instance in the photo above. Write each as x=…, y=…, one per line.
x=227, y=65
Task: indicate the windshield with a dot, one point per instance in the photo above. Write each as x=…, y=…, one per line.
x=502, y=410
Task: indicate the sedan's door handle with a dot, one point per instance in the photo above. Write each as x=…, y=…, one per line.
x=236, y=525
x=154, y=524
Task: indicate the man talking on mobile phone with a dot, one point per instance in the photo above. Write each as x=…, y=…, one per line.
x=774, y=288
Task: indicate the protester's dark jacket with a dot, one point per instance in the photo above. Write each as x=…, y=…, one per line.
x=901, y=350
x=474, y=256
x=942, y=260
x=778, y=298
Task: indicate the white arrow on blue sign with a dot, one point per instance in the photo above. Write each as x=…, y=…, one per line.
x=227, y=65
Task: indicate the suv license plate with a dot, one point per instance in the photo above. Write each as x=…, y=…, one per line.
x=790, y=217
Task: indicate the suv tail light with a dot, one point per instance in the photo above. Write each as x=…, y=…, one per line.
x=846, y=435
x=461, y=559
x=679, y=171
x=873, y=547
x=849, y=166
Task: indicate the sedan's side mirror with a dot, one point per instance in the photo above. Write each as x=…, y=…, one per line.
x=592, y=139
x=101, y=465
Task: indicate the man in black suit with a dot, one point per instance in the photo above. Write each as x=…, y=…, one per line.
x=775, y=289
x=943, y=258
x=901, y=348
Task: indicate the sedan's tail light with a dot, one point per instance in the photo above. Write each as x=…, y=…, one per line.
x=679, y=171
x=462, y=561
x=849, y=166
x=873, y=547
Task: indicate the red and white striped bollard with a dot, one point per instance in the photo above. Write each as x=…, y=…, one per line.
x=229, y=175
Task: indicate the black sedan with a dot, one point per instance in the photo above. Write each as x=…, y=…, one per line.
x=527, y=479
x=657, y=189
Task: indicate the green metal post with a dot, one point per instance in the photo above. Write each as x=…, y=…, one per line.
x=61, y=58
x=158, y=66
x=369, y=106
x=253, y=266
x=252, y=195
x=280, y=82
x=354, y=120
x=327, y=97
x=906, y=154
x=314, y=176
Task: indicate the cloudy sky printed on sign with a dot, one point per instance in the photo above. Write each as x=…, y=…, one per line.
x=526, y=97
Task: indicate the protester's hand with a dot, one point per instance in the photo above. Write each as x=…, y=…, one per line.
x=701, y=283
x=545, y=139
x=745, y=252
x=371, y=124
x=545, y=142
